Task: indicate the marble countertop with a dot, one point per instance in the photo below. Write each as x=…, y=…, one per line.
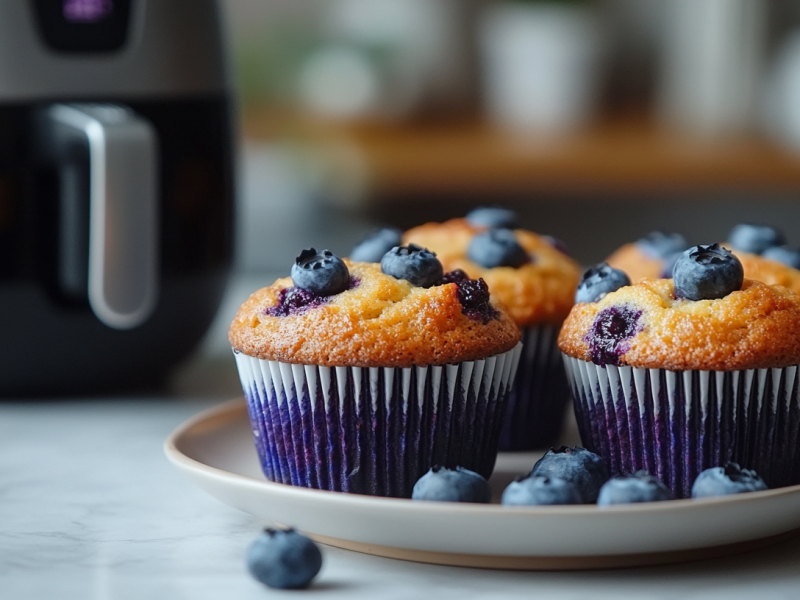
x=91, y=509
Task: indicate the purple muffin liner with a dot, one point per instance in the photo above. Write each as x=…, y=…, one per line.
x=374, y=430
x=540, y=394
x=676, y=424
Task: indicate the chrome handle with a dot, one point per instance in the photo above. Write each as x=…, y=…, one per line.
x=123, y=270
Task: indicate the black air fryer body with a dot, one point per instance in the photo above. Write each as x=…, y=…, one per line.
x=116, y=189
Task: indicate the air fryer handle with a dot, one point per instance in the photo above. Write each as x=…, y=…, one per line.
x=122, y=185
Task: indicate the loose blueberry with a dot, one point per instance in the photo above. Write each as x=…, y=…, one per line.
x=723, y=481
x=585, y=469
x=598, y=281
x=492, y=216
x=787, y=256
x=377, y=243
x=658, y=244
x=321, y=273
x=284, y=559
x=497, y=248
x=706, y=273
x=630, y=489
x=754, y=239
x=452, y=485
x=536, y=490
x=413, y=263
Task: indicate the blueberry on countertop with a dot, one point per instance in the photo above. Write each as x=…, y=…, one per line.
x=375, y=244
x=707, y=272
x=598, y=281
x=413, y=263
x=658, y=244
x=284, y=559
x=577, y=465
x=535, y=490
x=747, y=237
x=492, y=216
x=321, y=273
x=723, y=481
x=787, y=256
x=452, y=485
x=497, y=248
x=633, y=488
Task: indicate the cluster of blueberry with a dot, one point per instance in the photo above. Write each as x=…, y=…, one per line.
x=703, y=272
x=765, y=241
x=578, y=476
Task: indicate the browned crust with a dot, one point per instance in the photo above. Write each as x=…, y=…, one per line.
x=636, y=264
x=540, y=292
x=755, y=328
x=383, y=322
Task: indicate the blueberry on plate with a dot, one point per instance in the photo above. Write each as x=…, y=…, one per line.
x=497, y=248
x=633, y=488
x=747, y=237
x=598, y=281
x=585, y=469
x=375, y=244
x=723, y=481
x=413, y=263
x=284, y=559
x=658, y=244
x=492, y=216
x=782, y=254
x=707, y=272
x=535, y=490
x=452, y=485
x=321, y=273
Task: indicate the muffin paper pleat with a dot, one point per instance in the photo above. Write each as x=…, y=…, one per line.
x=676, y=424
x=374, y=430
x=540, y=394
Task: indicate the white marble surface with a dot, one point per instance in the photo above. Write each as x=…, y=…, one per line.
x=90, y=509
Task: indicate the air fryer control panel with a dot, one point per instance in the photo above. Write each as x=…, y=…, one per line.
x=83, y=25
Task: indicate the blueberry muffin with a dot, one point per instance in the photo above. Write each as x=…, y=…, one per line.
x=360, y=377
x=674, y=376
x=650, y=257
x=534, y=278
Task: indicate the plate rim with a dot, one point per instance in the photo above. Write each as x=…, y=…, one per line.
x=232, y=409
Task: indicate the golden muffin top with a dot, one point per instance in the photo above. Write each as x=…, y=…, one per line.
x=645, y=325
x=636, y=263
x=769, y=271
x=540, y=291
x=379, y=321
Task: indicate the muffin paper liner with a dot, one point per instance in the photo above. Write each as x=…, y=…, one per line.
x=676, y=424
x=539, y=396
x=374, y=430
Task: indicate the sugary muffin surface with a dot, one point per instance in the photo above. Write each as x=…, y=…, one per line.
x=768, y=271
x=541, y=291
x=644, y=325
x=635, y=263
x=379, y=322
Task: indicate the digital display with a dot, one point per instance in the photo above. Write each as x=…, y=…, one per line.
x=87, y=11
x=83, y=25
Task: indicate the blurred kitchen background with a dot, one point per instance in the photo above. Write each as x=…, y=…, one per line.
x=597, y=121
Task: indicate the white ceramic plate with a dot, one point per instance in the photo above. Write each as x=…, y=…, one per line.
x=216, y=451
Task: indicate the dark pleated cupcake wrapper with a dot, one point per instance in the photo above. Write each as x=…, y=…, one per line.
x=374, y=430
x=540, y=393
x=676, y=424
